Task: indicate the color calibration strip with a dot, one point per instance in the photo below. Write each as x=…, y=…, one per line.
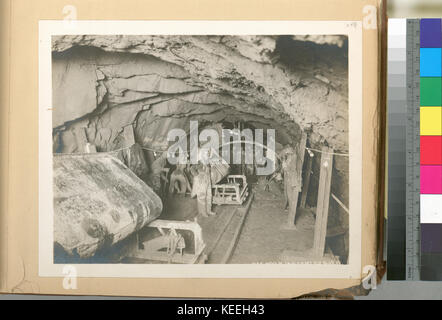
x=397, y=124
x=414, y=231
x=431, y=148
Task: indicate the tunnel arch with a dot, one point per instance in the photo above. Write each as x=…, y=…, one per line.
x=152, y=84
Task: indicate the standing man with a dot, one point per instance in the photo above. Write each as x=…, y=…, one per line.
x=178, y=180
x=202, y=190
x=156, y=175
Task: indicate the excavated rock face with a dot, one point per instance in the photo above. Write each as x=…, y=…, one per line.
x=98, y=202
x=156, y=83
x=284, y=82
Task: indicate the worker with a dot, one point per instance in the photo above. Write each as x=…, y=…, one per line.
x=192, y=171
x=277, y=176
x=179, y=181
x=292, y=180
x=164, y=181
x=202, y=190
x=156, y=174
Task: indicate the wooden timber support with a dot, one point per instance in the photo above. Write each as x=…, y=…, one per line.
x=231, y=248
x=299, y=163
x=323, y=201
x=306, y=183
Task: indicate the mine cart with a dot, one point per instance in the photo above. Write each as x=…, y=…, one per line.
x=235, y=191
x=172, y=245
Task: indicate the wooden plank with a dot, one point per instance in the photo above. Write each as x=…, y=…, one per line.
x=217, y=231
x=220, y=234
x=235, y=238
x=340, y=203
x=323, y=201
x=306, y=184
x=299, y=163
x=301, y=149
x=292, y=210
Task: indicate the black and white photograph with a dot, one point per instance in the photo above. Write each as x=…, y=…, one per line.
x=200, y=149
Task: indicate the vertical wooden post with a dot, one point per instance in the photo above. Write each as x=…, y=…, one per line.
x=299, y=163
x=323, y=201
x=306, y=184
x=292, y=209
x=301, y=151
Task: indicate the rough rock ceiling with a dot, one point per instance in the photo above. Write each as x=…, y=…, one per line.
x=160, y=82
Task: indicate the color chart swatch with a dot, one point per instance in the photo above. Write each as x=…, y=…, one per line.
x=431, y=148
x=414, y=222
x=397, y=125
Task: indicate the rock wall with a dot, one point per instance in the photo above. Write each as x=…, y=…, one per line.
x=98, y=202
x=292, y=84
x=156, y=83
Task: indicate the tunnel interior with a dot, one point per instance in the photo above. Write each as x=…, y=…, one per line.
x=127, y=92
